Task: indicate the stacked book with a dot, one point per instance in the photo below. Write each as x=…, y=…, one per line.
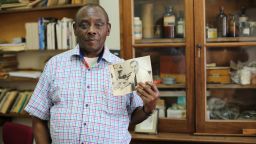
x=18, y=4
x=12, y=47
x=8, y=62
x=13, y=101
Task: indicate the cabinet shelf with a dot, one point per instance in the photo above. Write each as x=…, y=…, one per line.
x=196, y=138
x=159, y=43
x=232, y=39
x=163, y=40
x=230, y=44
x=230, y=86
x=164, y=86
x=42, y=8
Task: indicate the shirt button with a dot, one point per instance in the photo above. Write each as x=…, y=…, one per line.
x=89, y=69
x=86, y=105
x=88, y=86
x=84, y=124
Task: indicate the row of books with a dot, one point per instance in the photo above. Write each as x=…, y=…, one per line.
x=50, y=33
x=13, y=101
x=8, y=61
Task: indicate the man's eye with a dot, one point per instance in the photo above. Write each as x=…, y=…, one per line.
x=99, y=25
x=84, y=26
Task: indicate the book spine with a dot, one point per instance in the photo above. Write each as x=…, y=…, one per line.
x=41, y=32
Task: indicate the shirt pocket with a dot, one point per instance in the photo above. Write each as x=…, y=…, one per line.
x=113, y=104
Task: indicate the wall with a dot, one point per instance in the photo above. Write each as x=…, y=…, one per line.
x=112, y=8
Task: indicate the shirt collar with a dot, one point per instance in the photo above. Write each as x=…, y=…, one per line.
x=105, y=55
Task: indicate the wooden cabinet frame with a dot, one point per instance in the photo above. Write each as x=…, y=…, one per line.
x=196, y=46
x=203, y=126
x=128, y=48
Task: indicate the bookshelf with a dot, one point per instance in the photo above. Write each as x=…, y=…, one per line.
x=12, y=27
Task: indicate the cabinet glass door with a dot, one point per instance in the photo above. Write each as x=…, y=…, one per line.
x=163, y=29
x=226, y=67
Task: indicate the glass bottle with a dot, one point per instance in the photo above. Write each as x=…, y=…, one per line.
x=137, y=26
x=169, y=23
x=180, y=26
x=222, y=23
x=243, y=26
x=233, y=28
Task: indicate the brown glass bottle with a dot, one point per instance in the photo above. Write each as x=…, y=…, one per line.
x=169, y=23
x=222, y=26
x=233, y=30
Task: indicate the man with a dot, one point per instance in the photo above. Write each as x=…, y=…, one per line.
x=74, y=91
x=140, y=74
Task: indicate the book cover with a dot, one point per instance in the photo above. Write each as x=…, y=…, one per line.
x=26, y=102
x=14, y=106
x=2, y=93
x=23, y=102
x=10, y=97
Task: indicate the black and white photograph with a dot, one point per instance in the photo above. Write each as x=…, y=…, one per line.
x=127, y=74
x=149, y=125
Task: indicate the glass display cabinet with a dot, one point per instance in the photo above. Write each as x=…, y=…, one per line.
x=163, y=29
x=225, y=66
x=206, y=71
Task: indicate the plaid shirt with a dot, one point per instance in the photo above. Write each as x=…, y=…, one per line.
x=78, y=101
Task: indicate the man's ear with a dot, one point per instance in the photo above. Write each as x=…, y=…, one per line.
x=74, y=27
x=109, y=28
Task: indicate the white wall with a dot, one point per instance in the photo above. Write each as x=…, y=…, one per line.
x=112, y=8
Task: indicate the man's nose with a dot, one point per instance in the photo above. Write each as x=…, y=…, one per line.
x=92, y=30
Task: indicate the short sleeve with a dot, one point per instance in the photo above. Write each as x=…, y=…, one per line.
x=40, y=103
x=133, y=102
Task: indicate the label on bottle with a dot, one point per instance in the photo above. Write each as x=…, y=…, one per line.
x=169, y=20
x=180, y=28
x=212, y=33
x=246, y=31
x=243, y=19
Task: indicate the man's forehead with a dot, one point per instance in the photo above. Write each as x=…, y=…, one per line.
x=91, y=12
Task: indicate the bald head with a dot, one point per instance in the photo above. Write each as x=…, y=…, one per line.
x=91, y=6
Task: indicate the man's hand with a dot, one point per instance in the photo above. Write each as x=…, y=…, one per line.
x=149, y=94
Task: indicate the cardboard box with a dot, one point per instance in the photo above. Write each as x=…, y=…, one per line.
x=218, y=75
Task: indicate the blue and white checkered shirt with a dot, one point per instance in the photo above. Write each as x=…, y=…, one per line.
x=78, y=101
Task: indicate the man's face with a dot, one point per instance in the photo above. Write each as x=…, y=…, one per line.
x=91, y=30
x=134, y=66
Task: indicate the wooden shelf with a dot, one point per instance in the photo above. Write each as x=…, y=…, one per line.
x=163, y=86
x=230, y=44
x=41, y=8
x=22, y=51
x=15, y=115
x=230, y=86
x=232, y=39
x=175, y=137
x=162, y=40
x=18, y=79
x=159, y=43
